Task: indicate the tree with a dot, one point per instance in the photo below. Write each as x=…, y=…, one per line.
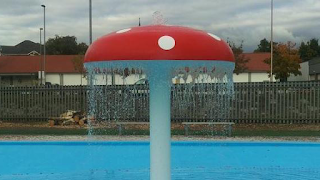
x=314, y=45
x=286, y=61
x=240, y=59
x=309, y=50
x=82, y=48
x=65, y=45
x=264, y=46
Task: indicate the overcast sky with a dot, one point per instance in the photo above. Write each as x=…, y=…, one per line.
x=247, y=20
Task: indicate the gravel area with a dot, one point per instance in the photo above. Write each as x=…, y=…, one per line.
x=146, y=138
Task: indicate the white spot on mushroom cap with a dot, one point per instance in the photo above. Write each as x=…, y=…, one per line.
x=214, y=36
x=166, y=42
x=123, y=30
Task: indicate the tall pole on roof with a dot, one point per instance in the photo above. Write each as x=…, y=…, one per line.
x=44, y=43
x=40, y=58
x=271, y=44
x=90, y=21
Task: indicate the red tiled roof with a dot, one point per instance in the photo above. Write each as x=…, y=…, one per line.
x=64, y=64
x=31, y=64
x=256, y=63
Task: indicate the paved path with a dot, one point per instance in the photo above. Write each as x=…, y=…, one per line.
x=146, y=138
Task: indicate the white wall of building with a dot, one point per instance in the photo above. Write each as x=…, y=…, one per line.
x=260, y=77
x=75, y=79
x=68, y=79
x=116, y=79
x=251, y=77
x=53, y=78
x=314, y=77
x=304, y=73
x=242, y=77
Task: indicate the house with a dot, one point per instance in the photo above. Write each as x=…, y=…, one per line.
x=25, y=70
x=314, y=69
x=257, y=69
x=25, y=48
x=61, y=70
x=310, y=71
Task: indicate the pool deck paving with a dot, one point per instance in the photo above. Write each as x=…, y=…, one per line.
x=146, y=138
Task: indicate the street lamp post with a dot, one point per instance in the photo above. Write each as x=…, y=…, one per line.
x=90, y=22
x=41, y=81
x=271, y=44
x=44, y=43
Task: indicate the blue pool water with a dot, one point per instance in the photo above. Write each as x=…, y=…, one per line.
x=130, y=160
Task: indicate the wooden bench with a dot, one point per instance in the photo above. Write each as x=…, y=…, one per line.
x=187, y=124
x=120, y=124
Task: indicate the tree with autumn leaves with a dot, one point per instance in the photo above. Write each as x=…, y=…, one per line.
x=286, y=61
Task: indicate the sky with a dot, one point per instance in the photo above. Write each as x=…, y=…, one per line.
x=235, y=20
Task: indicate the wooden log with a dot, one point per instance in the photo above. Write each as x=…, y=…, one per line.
x=68, y=122
x=81, y=122
x=59, y=121
x=70, y=112
x=51, y=123
x=76, y=118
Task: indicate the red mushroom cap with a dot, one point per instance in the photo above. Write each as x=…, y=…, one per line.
x=159, y=42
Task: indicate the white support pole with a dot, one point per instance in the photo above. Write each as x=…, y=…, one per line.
x=160, y=124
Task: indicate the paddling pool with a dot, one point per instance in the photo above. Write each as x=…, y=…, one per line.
x=130, y=160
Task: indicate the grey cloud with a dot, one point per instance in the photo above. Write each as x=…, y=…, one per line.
x=237, y=20
x=18, y=7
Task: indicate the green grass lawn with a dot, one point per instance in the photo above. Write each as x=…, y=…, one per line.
x=236, y=133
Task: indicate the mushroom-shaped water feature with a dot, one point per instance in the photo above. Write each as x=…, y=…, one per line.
x=161, y=51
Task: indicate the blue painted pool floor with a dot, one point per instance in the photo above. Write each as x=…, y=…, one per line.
x=130, y=160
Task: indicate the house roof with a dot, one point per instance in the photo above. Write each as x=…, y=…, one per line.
x=256, y=62
x=31, y=64
x=64, y=63
x=23, y=48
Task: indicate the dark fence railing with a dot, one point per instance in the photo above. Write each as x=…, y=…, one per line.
x=285, y=102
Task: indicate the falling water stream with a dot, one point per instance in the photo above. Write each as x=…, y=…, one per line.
x=200, y=91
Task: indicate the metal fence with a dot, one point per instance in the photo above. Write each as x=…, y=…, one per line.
x=39, y=103
x=285, y=102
